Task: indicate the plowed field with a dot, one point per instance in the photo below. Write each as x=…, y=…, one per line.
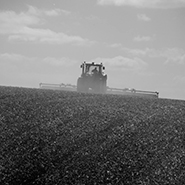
x=57, y=137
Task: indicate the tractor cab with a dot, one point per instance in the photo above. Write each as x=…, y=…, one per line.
x=92, y=78
x=90, y=69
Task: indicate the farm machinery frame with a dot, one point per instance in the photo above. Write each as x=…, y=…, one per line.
x=93, y=80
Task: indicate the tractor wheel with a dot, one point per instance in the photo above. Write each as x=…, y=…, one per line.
x=103, y=87
x=82, y=85
x=99, y=86
x=79, y=85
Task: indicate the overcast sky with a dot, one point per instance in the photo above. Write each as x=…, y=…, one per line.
x=140, y=42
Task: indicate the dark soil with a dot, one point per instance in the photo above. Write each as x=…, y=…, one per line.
x=57, y=137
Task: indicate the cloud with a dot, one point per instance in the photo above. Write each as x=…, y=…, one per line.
x=171, y=55
x=47, y=36
x=137, y=52
x=182, y=59
x=179, y=79
x=12, y=56
x=40, y=12
x=161, y=4
x=60, y=62
x=142, y=38
x=56, y=12
x=20, y=27
x=115, y=45
x=15, y=65
x=123, y=63
x=11, y=64
x=15, y=59
x=20, y=70
x=11, y=22
x=143, y=17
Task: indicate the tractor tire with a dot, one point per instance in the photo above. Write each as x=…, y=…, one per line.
x=79, y=85
x=103, y=87
x=82, y=85
x=99, y=85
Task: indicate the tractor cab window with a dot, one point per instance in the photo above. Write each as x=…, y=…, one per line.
x=93, y=69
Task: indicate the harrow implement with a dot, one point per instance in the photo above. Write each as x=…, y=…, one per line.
x=133, y=92
x=62, y=86
x=93, y=80
x=109, y=90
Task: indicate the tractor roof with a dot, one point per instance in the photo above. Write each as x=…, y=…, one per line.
x=93, y=64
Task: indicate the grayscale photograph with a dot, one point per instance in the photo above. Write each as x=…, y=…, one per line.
x=92, y=92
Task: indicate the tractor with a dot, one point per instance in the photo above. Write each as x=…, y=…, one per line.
x=92, y=78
